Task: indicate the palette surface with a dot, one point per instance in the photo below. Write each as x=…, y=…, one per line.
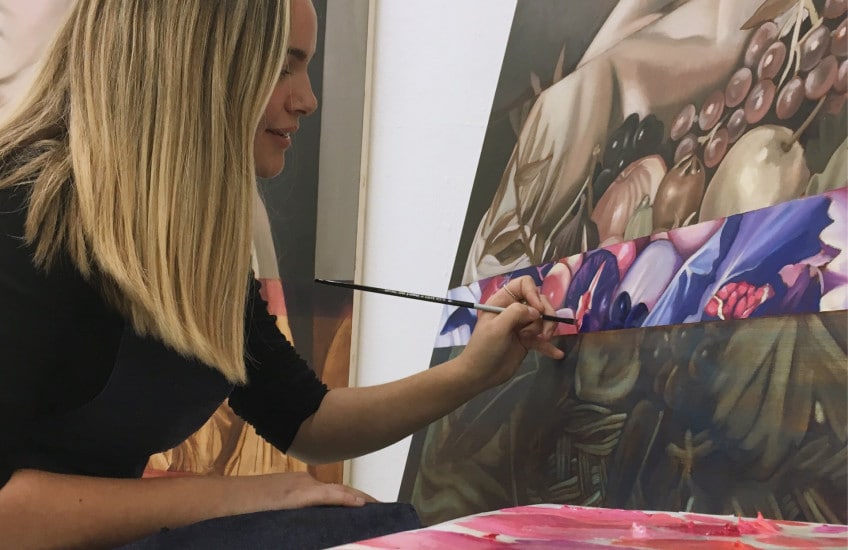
x=548, y=526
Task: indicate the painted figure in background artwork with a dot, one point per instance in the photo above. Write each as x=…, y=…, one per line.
x=26, y=26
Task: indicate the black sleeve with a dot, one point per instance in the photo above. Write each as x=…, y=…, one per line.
x=281, y=391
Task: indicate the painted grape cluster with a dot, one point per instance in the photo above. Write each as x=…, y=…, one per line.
x=740, y=147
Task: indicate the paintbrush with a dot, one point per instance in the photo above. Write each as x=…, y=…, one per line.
x=435, y=299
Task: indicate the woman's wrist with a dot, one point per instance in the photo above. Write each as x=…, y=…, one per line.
x=469, y=376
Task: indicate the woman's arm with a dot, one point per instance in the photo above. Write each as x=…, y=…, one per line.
x=45, y=510
x=354, y=421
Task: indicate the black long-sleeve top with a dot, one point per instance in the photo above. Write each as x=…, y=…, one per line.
x=81, y=392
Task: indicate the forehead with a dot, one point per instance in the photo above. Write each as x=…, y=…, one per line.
x=304, y=26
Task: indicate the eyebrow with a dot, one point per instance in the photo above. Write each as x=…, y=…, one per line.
x=299, y=54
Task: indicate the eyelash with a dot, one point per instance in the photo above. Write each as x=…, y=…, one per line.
x=285, y=72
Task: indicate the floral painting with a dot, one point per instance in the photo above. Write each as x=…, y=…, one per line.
x=788, y=258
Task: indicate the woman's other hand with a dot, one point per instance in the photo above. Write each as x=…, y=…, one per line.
x=500, y=341
x=293, y=490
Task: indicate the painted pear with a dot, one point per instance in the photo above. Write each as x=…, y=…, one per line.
x=765, y=167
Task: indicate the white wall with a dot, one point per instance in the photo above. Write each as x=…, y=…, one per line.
x=436, y=66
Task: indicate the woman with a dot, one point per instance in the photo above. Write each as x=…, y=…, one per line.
x=127, y=314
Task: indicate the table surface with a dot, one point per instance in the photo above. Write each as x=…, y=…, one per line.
x=556, y=526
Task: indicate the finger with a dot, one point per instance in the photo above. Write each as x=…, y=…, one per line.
x=516, y=290
x=334, y=494
x=525, y=317
x=549, y=326
x=549, y=350
x=364, y=495
x=530, y=335
x=530, y=293
x=517, y=317
x=541, y=344
x=503, y=298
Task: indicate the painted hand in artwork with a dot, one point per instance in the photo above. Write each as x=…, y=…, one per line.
x=500, y=342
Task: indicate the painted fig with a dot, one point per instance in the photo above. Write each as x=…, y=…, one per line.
x=679, y=194
x=613, y=210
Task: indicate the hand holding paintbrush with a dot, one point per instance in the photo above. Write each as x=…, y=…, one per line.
x=524, y=321
x=436, y=299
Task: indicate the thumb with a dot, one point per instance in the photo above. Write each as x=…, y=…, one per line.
x=519, y=315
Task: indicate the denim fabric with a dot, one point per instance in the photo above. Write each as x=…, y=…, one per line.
x=301, y=529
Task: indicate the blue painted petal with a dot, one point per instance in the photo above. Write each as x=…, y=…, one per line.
x=682, y=297
x=463, y=316
x=753, y=247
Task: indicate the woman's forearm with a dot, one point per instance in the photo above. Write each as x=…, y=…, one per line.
x=44, y=510
x=355, y=421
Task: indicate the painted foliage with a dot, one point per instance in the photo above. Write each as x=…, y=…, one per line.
x=680, y=190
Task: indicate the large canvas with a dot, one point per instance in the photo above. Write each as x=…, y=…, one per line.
x=658, y=180
x=725, y=417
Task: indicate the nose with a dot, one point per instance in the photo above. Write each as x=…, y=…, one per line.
x=302, y=99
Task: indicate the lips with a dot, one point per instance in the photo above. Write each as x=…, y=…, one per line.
x=282, y=136
x=280, y=132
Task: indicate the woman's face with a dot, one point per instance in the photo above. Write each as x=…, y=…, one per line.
x=292, y=97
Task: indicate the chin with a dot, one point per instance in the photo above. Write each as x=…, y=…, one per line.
x=267, y=170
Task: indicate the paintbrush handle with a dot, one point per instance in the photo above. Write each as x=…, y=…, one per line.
x=435, y=299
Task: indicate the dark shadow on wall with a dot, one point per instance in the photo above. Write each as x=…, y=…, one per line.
x=291, y=199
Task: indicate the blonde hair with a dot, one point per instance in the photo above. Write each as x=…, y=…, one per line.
x=136, y=140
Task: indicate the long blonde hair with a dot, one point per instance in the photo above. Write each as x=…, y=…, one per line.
x=136, y=140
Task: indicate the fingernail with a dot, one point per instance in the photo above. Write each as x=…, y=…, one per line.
x=360, y=501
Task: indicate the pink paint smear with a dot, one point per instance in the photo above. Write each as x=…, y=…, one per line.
x=554, y=527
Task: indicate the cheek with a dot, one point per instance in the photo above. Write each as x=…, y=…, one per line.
x=277, y=100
